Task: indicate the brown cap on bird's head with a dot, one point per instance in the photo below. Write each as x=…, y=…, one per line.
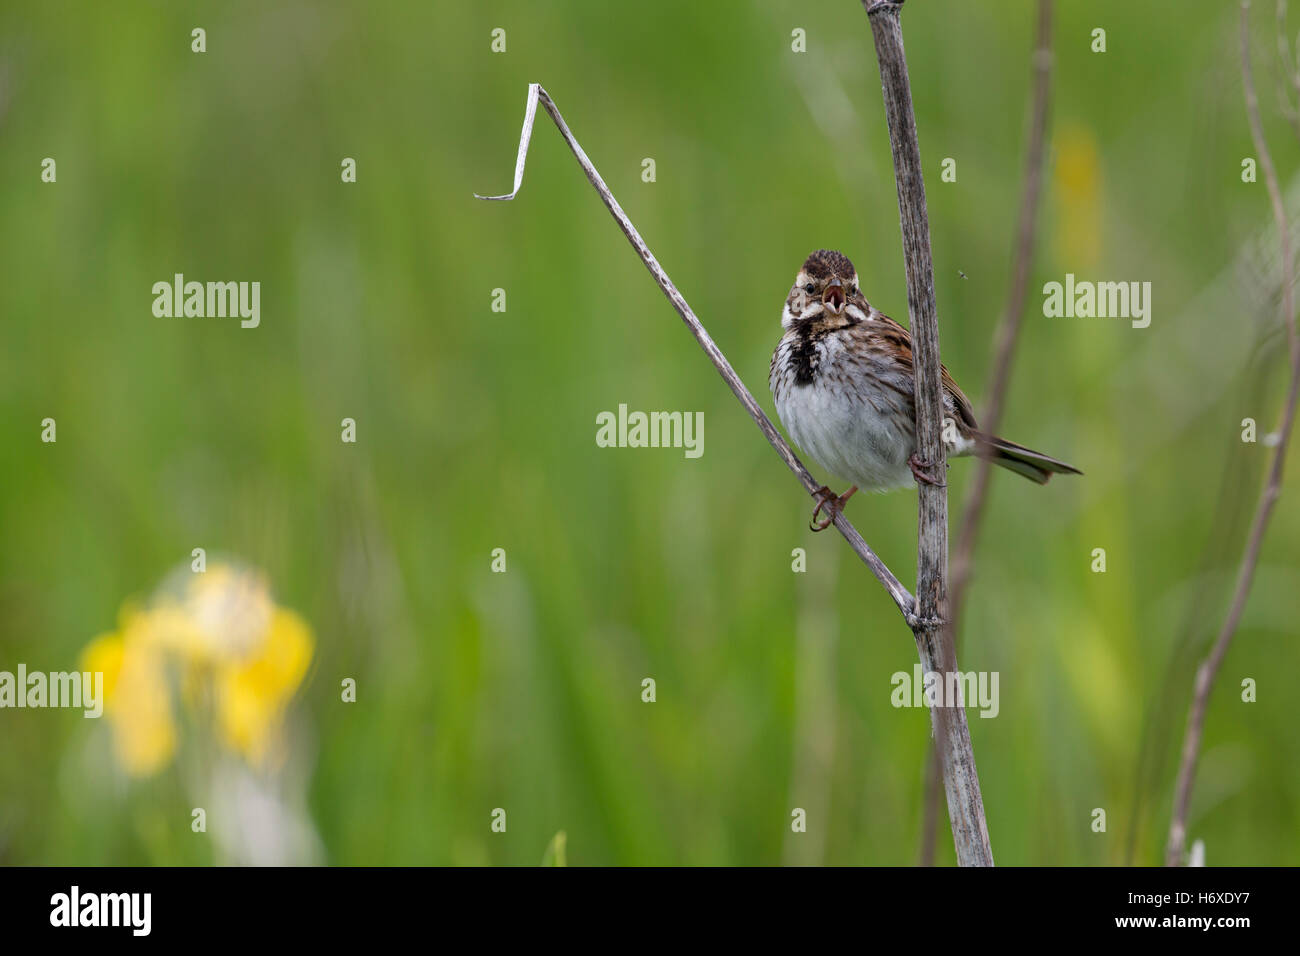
x=836, y=271
x=825, y=263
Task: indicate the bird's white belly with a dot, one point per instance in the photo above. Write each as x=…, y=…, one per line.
x=848, y=437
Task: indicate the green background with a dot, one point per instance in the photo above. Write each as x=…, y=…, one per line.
x=476, y=428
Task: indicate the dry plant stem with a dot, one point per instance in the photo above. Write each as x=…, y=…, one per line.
x=1209, y=668
x=969, y=832
x=1007, y=336
x=1257, y=133
x=536, y=94
x=1289, y=80
x=952, y=735
x=1009, y=331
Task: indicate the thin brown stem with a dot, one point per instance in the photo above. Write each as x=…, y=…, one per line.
x=1289, y=80
x=1209, y=669
x=1007, y=336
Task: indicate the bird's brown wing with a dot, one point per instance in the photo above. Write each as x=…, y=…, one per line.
x=898, y=340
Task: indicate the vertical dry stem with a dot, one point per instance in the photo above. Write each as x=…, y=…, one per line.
x=951, y=732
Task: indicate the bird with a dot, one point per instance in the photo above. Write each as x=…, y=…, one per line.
x=841, y=378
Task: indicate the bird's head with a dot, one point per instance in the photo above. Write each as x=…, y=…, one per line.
x=826, y=288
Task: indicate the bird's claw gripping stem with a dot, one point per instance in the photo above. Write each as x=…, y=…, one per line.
x=827, y=499
x=921, y=471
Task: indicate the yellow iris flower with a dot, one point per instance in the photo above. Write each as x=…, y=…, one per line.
x=216, y=649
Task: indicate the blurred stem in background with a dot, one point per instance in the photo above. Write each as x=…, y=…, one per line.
x=815, y=711
x=1209, y=669
x=1007, y=336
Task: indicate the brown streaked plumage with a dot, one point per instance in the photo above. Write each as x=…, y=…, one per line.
x=841, y=377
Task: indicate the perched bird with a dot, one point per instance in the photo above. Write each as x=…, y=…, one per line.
x=841, y=377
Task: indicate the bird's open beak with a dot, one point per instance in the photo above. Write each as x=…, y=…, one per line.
x=833, y=298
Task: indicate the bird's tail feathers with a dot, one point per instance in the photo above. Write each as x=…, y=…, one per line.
x=1034, y=465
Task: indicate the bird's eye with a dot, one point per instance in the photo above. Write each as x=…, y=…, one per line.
x=853, y=290
x=810, y=288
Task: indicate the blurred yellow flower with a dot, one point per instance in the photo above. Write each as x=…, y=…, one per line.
x=1077, y=181
x=213, y=645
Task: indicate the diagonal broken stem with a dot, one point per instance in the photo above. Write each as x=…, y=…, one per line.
x=537, y=94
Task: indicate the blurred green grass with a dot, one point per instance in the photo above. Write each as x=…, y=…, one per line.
x=476, y=429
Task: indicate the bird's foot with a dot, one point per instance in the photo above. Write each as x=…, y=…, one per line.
x=921, y=471
x=826, y=499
